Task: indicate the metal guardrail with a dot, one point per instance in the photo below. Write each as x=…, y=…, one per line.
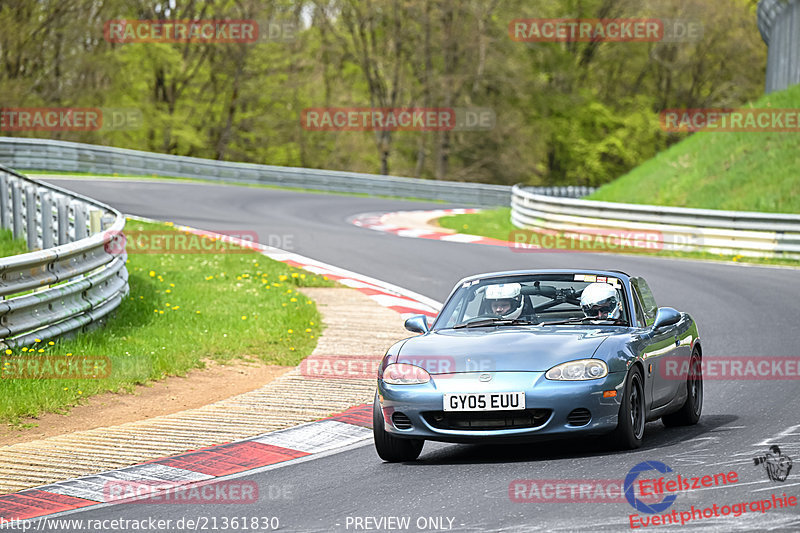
x=74, y=281
x=673, y=228
x=778, y=21
x=62, y=156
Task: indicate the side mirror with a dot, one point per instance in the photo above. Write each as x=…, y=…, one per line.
x=417, y=324
x=666, y=316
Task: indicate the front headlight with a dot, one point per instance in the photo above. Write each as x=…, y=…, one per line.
x=405, y=374
x=578, y=370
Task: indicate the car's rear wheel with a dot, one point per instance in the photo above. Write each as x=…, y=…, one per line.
x=389, y=447
x=689, y=413
x=630, y=423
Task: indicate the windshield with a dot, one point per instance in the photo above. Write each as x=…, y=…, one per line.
x=521, y=299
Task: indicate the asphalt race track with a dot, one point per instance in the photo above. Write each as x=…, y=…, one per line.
x=741, y=311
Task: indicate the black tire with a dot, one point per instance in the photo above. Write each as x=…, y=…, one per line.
x=390, y=448
x=631, y=419
x=689, y=413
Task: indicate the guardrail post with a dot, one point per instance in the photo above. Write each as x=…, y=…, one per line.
x=80, y=221
x=62, y=208
x=47, y=221
x=4, y=222
x=107, y=221
x=30, y=218
x=16, y=209
x=95, y=221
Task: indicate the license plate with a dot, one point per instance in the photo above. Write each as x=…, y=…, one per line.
x=485, y=401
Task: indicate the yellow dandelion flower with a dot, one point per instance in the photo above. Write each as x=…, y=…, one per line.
x=80, y=392
x=152, y=273
x=37, y=340
x=290, y=330
x=66, y=388
x=8, y=352
x=41, y=350
x=24, y=349
x=244, y=317
x=70, y=353
x=51, y=343
x=292, y=348
x=161, y=312
x=312, y=322
x=295, y=275
x=282, y=277
x=168, y=291
x=198, y=312
x=302, y=276
x=283, y=304
x=293, y=299
x=176, y=307
x=308, y=330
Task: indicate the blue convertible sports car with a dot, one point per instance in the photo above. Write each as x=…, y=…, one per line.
x=525, y=355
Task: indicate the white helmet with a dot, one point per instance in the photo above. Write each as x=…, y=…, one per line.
x=505, y=295
x=599, y=300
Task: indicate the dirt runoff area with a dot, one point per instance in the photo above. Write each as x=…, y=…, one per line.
x=174, y=394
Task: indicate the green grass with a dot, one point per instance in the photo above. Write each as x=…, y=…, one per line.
x=496, y=223
x=9, y=245
x=743, y=171
x=183, y=309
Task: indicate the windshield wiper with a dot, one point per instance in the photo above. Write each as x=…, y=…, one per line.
x=580, y=320
x=494, y=322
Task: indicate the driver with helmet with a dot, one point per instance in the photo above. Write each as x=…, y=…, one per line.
x=600, y=301
x=505, y=299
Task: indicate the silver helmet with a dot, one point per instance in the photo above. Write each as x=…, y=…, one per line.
x=505, y=299
x=600, y=300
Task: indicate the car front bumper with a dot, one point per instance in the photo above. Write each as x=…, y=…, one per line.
x=548, y=407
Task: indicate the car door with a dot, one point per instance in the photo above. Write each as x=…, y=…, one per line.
x=660, y=347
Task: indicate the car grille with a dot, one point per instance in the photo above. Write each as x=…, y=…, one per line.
x=579, y=417
x=401, y=421
x=482, y=420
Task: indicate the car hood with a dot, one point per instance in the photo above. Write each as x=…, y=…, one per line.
x=502, y=349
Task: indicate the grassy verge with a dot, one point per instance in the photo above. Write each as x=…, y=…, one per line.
x=9, y=245
x=746, y=171
x=496, y=223
x=183, y=309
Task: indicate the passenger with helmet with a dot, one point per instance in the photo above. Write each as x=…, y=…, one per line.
x=505, y=299
x=600, y=301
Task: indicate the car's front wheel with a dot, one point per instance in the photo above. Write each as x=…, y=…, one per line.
x=631, y=419
x=389, y=447
x=689, y=413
